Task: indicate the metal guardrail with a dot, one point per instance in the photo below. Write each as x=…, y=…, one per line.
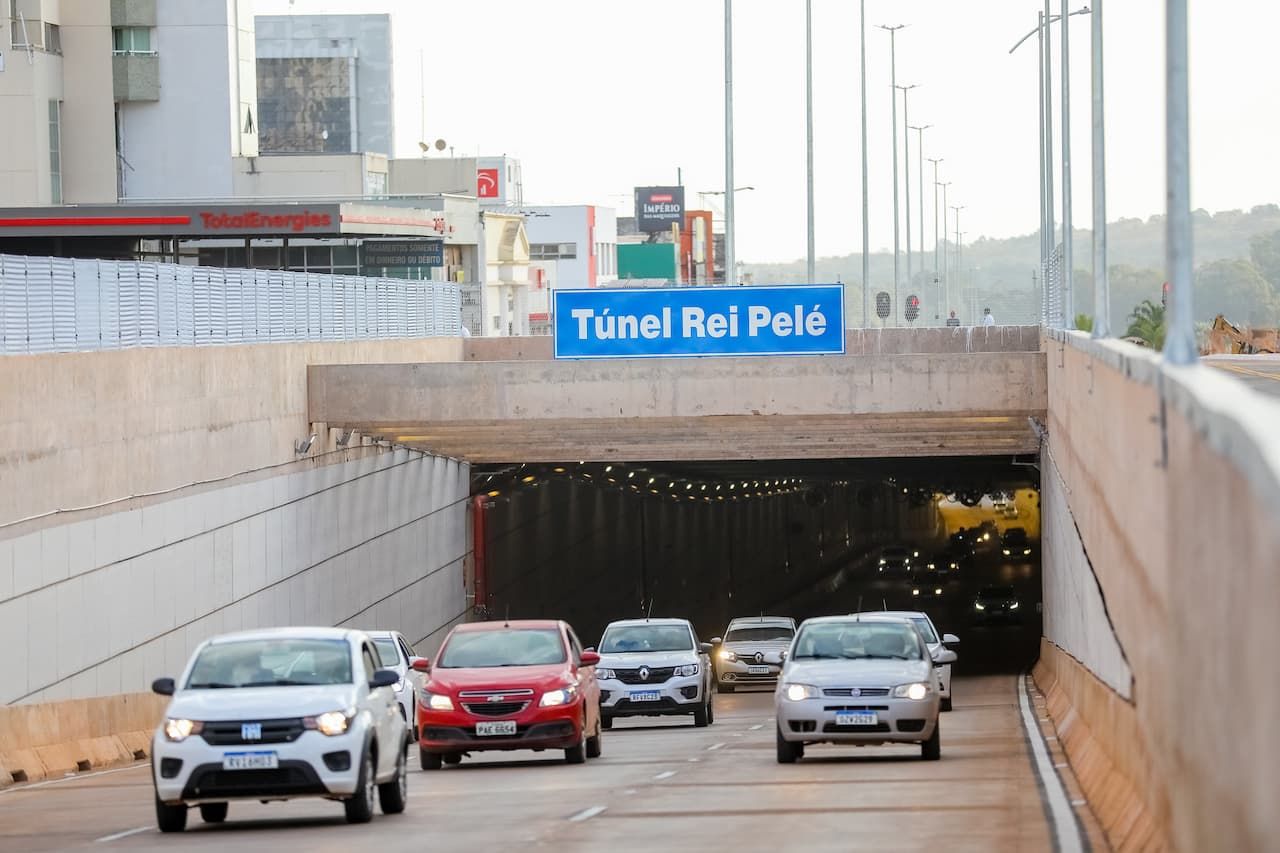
x=64, y=305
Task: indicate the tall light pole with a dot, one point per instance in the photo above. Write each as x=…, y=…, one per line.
x=893, y=89
x=1101, y=278
x=1046, y=232
x=730, y=258
x=866, y=197
x=919, y=129
x=1179, y=342
x=1050, y=225
x=959, y=269
x=906, y=169
x=1068, y=304
x=808, y=127
x=946, y=277
x=937, y=282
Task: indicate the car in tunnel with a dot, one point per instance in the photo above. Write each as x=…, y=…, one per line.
x=507, y=685
x=276, y=715
x=897, y=558
x=934, y=640
x=859, y=680
x=654, y=668
x=752, y=651
x=997, y=605
x=1014, y=544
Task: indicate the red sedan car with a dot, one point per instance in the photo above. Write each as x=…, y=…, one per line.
x=509, y=685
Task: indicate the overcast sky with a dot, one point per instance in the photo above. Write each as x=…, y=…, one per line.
x=598, y=96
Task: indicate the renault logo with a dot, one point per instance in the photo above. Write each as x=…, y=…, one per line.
x=759, y=657
x=644, y=673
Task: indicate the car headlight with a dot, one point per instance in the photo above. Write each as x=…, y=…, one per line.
x=915, y=592
x=729, y=656
x=1026, y=552
x=330, y=723
x=686, y=670
x=882, y=561
x=915, y=691
x=798, y=692
x=931, y=566
x=602, y=674
x=937, y=590
x=953, y=565
x=178, y=730
x=1013, y=606
x=1006, y=552
x=978, y=605
x=438, y=702
x=563, y=696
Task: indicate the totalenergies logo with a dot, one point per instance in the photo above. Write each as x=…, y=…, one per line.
x=258, y=221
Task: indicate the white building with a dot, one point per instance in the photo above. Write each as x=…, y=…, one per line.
x=571, y=246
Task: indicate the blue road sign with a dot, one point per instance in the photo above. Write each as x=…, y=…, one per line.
x=804, y=319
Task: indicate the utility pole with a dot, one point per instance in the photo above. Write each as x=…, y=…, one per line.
x=1180, y=340
x=959, y=268
x=808, y=124
x=920, y=129
x=866, y=197
x=1051, y=226
x=946, y=275
x=893, y=88
x=906, y=166
x=1101, y=278
x=937, y=282
x=1068, y=304
x=730, y=259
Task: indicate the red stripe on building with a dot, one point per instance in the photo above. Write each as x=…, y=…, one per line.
x=81, y=221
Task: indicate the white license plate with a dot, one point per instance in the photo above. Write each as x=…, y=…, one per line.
x=757, y=670
x=250, y=760
x=498, y=727
x=857, y=718
x=645, y=696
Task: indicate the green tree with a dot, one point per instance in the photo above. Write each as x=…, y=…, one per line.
x=1264, y=251
x=1146, y=323
x=1084, y=322
x=1234, y=287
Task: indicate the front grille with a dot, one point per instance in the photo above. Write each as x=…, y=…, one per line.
x=843, y=708
x=849, y=691
x=485, y=694
x=832, y=728
x=803, y=726
x=290, y=778
x=495, y=709
x=657, y=675
x=228, y=732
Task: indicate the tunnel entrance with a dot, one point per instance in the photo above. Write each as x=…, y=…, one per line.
x=593, y=542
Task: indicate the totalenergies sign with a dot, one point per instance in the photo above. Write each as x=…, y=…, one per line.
x=658, y=208
x=255, y=220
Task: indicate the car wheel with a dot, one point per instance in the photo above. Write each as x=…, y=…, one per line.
x=788, y=752
x=577, y=754
x=595, y=745
x=429, y=760
x=359, y=806
x=170, y=818
x=726, y=687
x=946, y=703
x=606, y=722
x=931, y=750
x=393, y=795
x=700, y=715
x=213, y=812
x=452, y=758
x=711, y=710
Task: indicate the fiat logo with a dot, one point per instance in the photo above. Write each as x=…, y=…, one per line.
x=855, y=692
x=644, y=673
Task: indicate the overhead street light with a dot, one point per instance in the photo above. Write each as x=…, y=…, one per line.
x=893, y=89
x=730, y=258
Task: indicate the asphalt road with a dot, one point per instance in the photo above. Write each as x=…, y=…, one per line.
x=1259, y=372
x=660, y=785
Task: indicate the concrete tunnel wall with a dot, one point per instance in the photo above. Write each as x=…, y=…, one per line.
x=572, y=550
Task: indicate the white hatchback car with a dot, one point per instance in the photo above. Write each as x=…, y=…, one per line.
x=278, y=714
x=397, y=655
x=654, y=667
x=860, y=680
x=937, y=642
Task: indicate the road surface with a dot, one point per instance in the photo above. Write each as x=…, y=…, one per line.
x=1259, y=372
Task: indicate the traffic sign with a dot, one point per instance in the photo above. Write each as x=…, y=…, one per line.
x=913, y=307
x=883, y=305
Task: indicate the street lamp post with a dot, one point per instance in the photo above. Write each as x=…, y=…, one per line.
x=959, y=273
x=808, y=124
x=730, y=259
x=920, y=129
x=1068, y=303
x=906, y=168
x=1179, y=342
x=866, y=196
x=946, y=275
x=1101, y=278
x=893, y=88
x=938, y=284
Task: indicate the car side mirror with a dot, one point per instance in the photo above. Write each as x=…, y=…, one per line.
x=950, y=639
x=383, y=678
x=705, y=648
x=945, y=656
x=589, y=649
x=163, y=686
x=420, y=665
x=589, y=658
x=715, y=641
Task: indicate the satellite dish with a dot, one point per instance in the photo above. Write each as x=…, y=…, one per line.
x=441, y=145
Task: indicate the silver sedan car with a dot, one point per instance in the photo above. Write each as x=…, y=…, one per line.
x=859, y=680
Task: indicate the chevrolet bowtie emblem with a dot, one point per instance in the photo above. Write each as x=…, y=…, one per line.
x=495, y=698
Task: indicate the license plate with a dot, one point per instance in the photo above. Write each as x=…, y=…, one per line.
x=645, y=696
x=857, y=718
x=250, y=761
x=498, y=727
x=757, y=670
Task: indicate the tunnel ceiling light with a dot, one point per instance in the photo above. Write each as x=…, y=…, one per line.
x=631, y=474
x=558, y=470
x=688, y=486
x=608, y=468
x=733, y=486
x=494, y=493
x=528, y=479
x=704, y=487
x=611, y=480
x=718, y=488
x=651, y=480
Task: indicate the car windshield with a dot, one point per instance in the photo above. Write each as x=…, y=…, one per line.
x=388, y=654
x=894, y=553
x=926, y=629
x=1015, y=535
x=271, y=663
x=508, y=647
x=996, y=592
x=854, y=640
x=760, y=634
x=646, y=638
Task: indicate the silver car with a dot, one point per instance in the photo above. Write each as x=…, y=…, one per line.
x=936, y=643
x=861, y=680
x=752, y=651
x=397, y=655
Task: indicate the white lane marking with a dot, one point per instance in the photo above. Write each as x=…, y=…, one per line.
x=587, y=814
x=1065, y=827
x=1077, y=802
x=665, y=775
x=757, y=728
x=21, y=788
x=715, y=746
x=1059, y=765
x=118, y=835
x=694, y=760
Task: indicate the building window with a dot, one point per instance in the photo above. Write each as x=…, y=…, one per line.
x=553, y=251
x=55, y=153
x=52, y=38
x=129, y=40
